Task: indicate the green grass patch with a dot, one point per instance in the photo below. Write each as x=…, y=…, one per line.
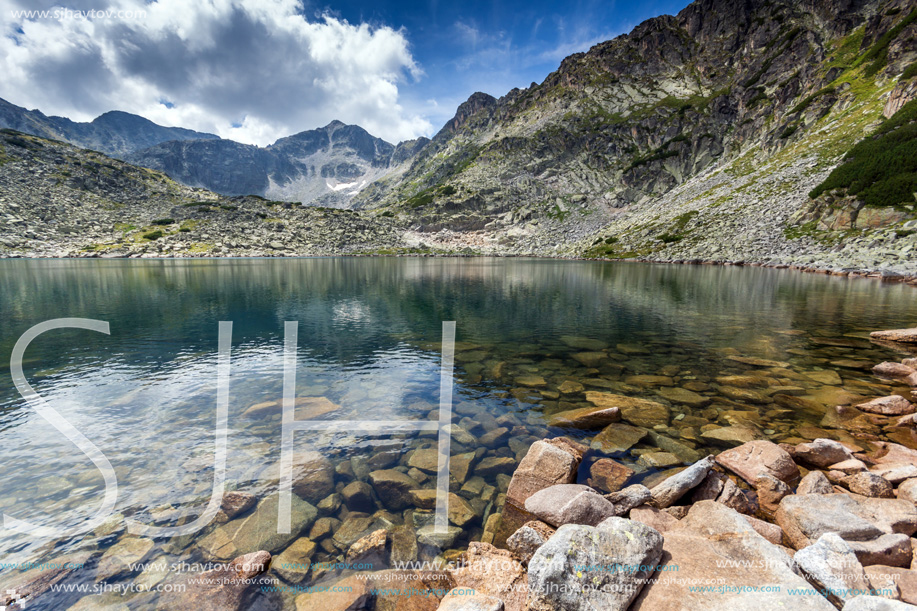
x=809, y=99
x=163, y=222
x=881, y=169
x=789, y=131
x=909, y=72
x=800, y=231
x=153, y=235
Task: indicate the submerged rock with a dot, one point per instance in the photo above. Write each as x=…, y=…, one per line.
x=608, y=475
x=218, y=590
x=258, y=530
x=393, y=488
x=618, y=438
x=585, y=418
x=639, y=412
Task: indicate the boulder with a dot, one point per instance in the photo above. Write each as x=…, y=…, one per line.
x=118, y=558
x=893, y=371
x=734, y=498
x=609, y=475
x=460, y=600
x=822, y=453
x=814, y=482
x=428, y=535
x=358, y=496
x=348, y=594
x=684, y=396
x=492, y=466
x=628, y=498
x=769, y=531
x=869, y=484
x=652, y=517
x=526, y=541
x=408, y=590
x=830, y=565
x=544, y=465
x=895, y=472
x=751, y=459
x=601, y=567
x=673, y=488
x=492, y=572
x=806, y=517
x=893, y=405
x=905, y=580
x=770, y=492
x=585, y=418
x=875, y=603
x=714, y=544
x=569, y=504
x=907, y=490
x=891, y=550
x=710, y=488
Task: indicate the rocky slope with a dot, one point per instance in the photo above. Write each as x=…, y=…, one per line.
x=694, y=136
x=113, y=133
x=57, y=200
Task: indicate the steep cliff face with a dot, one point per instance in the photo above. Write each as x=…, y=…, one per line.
x=557, y=167
x=113, y=133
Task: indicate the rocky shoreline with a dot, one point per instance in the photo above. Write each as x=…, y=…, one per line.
x=811, y=523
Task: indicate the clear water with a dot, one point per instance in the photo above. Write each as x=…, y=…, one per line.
x=369, y=332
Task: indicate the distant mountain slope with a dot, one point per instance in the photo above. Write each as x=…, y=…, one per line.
x=325, y=166
x=114, y=133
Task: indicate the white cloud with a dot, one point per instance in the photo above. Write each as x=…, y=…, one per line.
x=257, y=64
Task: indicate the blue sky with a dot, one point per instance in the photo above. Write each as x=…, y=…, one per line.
x=258, y=70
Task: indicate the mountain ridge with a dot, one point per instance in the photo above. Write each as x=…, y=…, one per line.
x=115, y=133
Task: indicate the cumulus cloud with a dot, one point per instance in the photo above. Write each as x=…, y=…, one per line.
x=250, y=70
